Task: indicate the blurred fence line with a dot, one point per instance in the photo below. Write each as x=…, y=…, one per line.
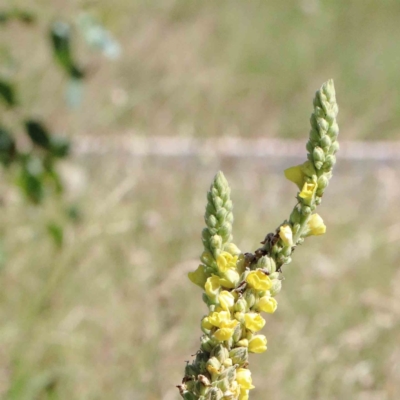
x=178, y=146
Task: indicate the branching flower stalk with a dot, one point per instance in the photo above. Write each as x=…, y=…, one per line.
x=238, y=286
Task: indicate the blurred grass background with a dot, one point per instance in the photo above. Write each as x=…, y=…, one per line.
x=111, y=314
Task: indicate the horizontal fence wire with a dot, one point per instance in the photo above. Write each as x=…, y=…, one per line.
x=177, y=146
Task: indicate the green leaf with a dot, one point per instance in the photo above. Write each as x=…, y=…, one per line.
x=59, y=146
x=38, y=133
x=60, y=35
x=56, y=232
x=7, y=147
x=7, y=93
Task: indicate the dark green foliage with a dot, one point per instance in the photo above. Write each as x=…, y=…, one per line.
x=7, y=93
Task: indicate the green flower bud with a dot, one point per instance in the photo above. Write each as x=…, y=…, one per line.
x=237, y=333
x=220, y=352
x=206, y=344
x=334, y=148
x=221, y=215
x=216, y=242
x=213, y=365
x=330, y=161
x=232, y=249
x=214, y=394
x=228, y=205
x=239, y=355
x=275, y=275
x=309, y=146
x=276, y=287
x=250, y=298
x=323, y=182
x=333, y=131
x=314, y=135
x=325, y=142
x=318, y=155
x=305, y=210
x=241, y=305
x=267, y=264
x=295, y=216
x=323, y=125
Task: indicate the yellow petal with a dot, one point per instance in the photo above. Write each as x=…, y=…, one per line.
x=295, y=175
x=258, y=344
x=199, y=277
x=267, y=304
x=254, y=321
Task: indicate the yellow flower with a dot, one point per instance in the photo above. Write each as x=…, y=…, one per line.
x=285, y=233
x=226, y=300
x=254, y=321
x=217, y=318
x=199, y=277
x=315, y=226
x=258, y=344
x=212, y=286
x=223, y=334
x=226, y=261
x=267, y=304
x=308, y=191
x=243, y=343
x=229, y=279
x=243, y=378
x=258, y=280
x=295, y=175
x=206, y=324
x=244, y=395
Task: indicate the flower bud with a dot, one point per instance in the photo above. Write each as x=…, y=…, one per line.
x=250, y=298
x=216, y=242
x=232, y=249
x=285, y=233
x=229, y=279
x=322, y=124
x=206, y=344
x=226, y=300
x=333, y=131
x=239, y=355
x=207, y=258
x=318, y=154
x=206, y=325
x=295, y=216
x=276, y=287
x=314, y=135
x=267, y=264
x=237, y=333
x=241, y=305
x=325, y=142
x=305, y=210
x=334, y=148
x=213, y=365
x=330, y=161
x=214, y=394
x=243, y=343
x=220, y=352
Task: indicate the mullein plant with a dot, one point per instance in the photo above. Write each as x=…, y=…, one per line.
x=239, y=288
